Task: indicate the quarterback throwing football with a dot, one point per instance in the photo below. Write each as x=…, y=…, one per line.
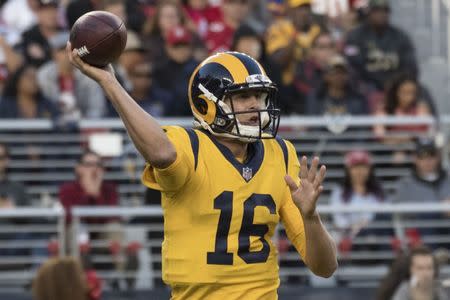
x=227, y=183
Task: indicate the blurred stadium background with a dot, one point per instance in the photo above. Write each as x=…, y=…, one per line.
x=371, y=76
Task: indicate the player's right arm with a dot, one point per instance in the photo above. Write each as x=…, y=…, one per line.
x=146, y=133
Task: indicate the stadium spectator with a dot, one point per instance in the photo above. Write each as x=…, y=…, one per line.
x=377, y=50
x=276, y=9
x=172, y=74
x=421, y=282
x=429, y=183
x=137, y=12
x=398, y=272
x=340, y=16
x=10, y=60
x=247, y=40
x=168, y=14
x=13, y=193
x=34, y=44
x=288, y=39
x=77, y=8
x=75, y=94
x=64, y=278
x=133, y=11
x=309, y=72
x=139, y=73
x=89, y=188
x=19, y=15
x=335, y=95
x=116, y=7
x=134, y=52
x=220, y=32
x=402, y=99
x=259, y=16
x=23, y=99
x=152, y=99
x=359, y=187
x=202, y=15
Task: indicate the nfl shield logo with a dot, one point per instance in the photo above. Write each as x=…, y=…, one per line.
x=247, y=173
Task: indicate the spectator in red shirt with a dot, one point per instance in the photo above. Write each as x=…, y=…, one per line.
x=89, y=188
x=220, y=33
x=202, y=14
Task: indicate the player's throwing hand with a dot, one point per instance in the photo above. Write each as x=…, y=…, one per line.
x=306, y=194
x=97, y=74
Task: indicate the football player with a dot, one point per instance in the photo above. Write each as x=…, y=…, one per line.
x=227, y=183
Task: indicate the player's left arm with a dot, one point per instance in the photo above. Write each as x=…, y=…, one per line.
x=320, y=249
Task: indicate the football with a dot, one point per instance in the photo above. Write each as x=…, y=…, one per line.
x=99, y=37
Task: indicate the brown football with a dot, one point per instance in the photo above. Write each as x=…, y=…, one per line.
x=99, y=37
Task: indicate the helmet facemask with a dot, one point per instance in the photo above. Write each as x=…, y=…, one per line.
x=228, y=122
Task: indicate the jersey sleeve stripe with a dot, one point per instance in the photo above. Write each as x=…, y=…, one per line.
x=285, y=152
x=194, y=144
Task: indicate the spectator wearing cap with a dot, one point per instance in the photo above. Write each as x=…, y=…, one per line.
x=34, y=43
x=133, y=55
x=377, y=50
x=139, y=73
x=288, y=39
x=75, y=94
x=335, y=95
x=428, y=183
x=134, y=52
x=359, y=187
x=172, y=75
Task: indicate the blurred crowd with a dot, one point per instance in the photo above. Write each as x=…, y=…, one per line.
x=328, y=57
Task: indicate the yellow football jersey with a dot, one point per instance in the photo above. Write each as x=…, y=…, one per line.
x=220, y=215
